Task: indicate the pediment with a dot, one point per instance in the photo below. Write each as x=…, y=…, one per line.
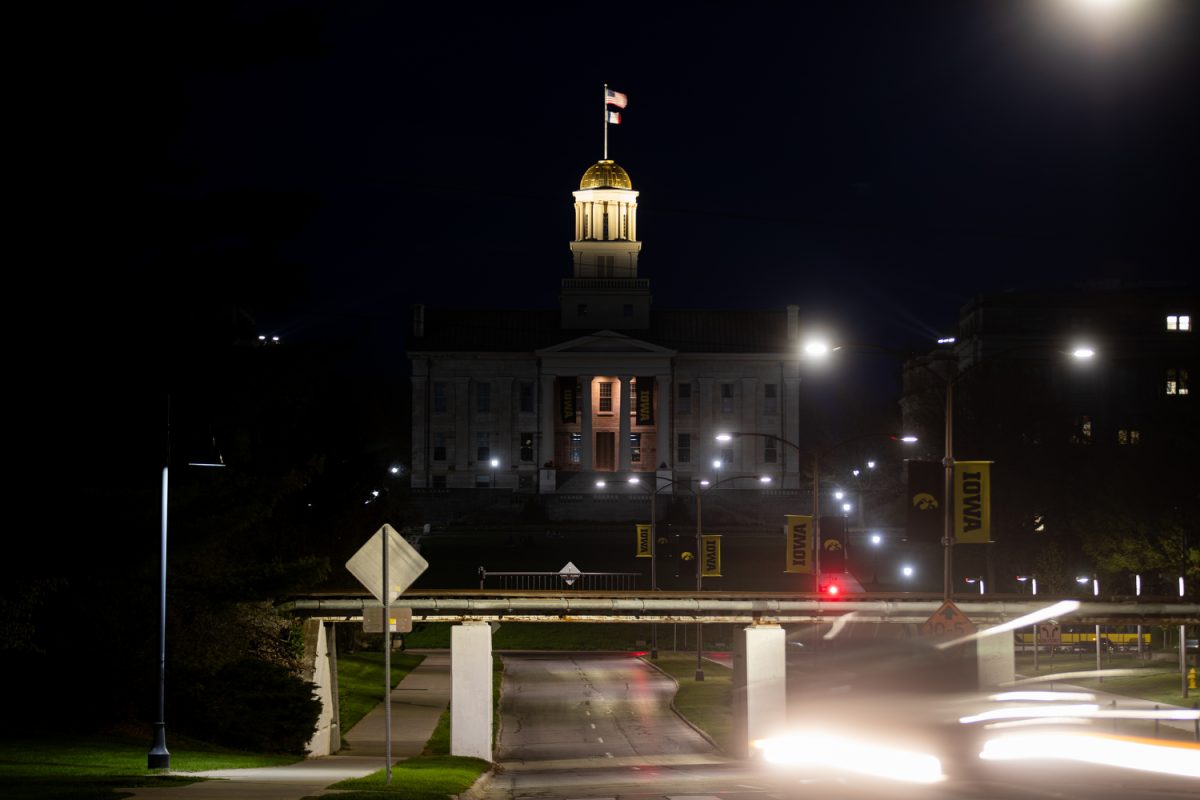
x=606, y=342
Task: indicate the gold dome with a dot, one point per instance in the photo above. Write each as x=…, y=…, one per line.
x=605, y=175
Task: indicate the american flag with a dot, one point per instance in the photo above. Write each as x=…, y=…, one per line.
x=615, y=99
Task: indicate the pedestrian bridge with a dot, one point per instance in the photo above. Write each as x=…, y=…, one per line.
x=759, y=647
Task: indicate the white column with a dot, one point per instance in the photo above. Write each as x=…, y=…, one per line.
x=759, y=686
x=586, y=460
x=471, y=690
x=549, y=416
x=663, y=441
x=995, y=660
x=623, y=456
x=464, y=448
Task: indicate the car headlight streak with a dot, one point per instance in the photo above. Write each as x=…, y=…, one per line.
x=851, y=755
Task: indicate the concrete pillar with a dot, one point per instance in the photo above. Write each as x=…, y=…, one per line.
x=587, y=462
x=623, y=450
x=471, y=690
x=316, y=668
x=995, y=660
x=664, y=443
x=759, y=686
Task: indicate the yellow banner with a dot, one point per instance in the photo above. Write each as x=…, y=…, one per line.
x=710, y=554
x=643, y=542
x=799, y=544
x=972, y=502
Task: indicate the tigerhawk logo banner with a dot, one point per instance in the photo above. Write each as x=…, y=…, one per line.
x=972, y=502
x=710, y=556
x=643, y=541
x=799, y=544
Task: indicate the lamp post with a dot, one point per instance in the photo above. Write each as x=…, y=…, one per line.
x=700, y=490
x=654, y=490
x=159, y=757
x=495, y=462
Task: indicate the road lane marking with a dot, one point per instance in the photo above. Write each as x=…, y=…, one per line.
x=748, y=786
x=600, y=739
x=593, y=725
x=609, y=755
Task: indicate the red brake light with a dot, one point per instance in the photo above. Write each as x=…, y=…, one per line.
x=833, y=589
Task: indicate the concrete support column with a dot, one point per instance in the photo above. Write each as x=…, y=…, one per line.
x=759, y=685
x=549, y=411
x=471, y=690
x=464, y=448
x=587, y=460
x=995, y=660
x=664, y=443
x=623, y=450
x=317, y=669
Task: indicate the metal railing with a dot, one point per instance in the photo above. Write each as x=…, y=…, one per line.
x=574, y=581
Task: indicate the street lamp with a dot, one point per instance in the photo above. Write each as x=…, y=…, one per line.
x=706, y=486
x=159, y=757
x=495, y=462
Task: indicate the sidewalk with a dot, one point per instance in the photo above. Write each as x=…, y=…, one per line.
x=416, y=705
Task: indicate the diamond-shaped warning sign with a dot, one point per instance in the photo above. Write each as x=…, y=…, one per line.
x=948, y=622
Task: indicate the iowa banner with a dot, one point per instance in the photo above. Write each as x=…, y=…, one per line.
x=643, y=541
x=799, y=544
x=833, y=545
x=972, y=502
x=645, y=400
x=710, y=556
x=568, y=402
x=926, y=485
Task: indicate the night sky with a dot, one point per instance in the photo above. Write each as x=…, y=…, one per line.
x=319, y=167
x=878, y=163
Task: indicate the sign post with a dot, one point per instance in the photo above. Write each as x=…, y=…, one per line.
x=386, y=566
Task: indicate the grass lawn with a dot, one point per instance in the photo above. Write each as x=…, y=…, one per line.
x=89, y=767
x=1157, y=681
x=360, y=682
x=421, y=778
x=706, y=703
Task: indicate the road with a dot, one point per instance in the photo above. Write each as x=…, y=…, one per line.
x=600, y=726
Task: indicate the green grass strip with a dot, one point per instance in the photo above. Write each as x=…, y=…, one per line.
x=360, y=682
x=421, y=778
x=706, y=704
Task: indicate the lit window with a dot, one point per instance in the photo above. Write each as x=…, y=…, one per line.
x=635, y=448
x=1179, y=322
x=575, y=451
x=1083, y=431
x=633, y=398
x=685, y=398
x=683, y=448
x=726, y=398
x=527, y=446
x=606, y=397
x=770, y=399
x=1177, y=381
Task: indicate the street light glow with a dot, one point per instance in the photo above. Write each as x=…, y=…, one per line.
x=907, y=571
x=600, y=484
x=635, y=479
x=495, y=462
x=876, y=538
x=1083, y=352
x=839, y=494
x=816, y=348
x=846, y=507
x=724, y=437
x=764, y=479
x=716, y=463
x=704, y=482
x=909, y=439
x=870, y=465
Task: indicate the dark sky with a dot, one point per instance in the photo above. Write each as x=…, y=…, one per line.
x=878, y=163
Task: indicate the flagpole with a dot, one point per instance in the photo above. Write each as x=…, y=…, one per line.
x=605, y=107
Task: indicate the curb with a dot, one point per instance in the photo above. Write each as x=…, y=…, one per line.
x=479, y=788
x=703, y=733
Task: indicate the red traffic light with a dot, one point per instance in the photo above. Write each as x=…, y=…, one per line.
x=832, y=589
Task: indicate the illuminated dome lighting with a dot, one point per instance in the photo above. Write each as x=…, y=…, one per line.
x=605, y=175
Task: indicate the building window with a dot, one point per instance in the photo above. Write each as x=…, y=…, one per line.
x=727, y=456
x=635, y=448
x=483, y=446
x=770, y=399
x=633, y=398
x=527, y=446
x=770, y=451
x=726, y=398
x=605, y=397
x=483, y=397
x=525, y=397
x=525, y=481
x=439, y=397
x=627, y=310
x=684, y=396
x=1177, y=381
x=575, y=451
x=1083, y=431
x=1179, y=322
x=1129, y=436
x=439, y=446
x=439, y=481
x=683, y=448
